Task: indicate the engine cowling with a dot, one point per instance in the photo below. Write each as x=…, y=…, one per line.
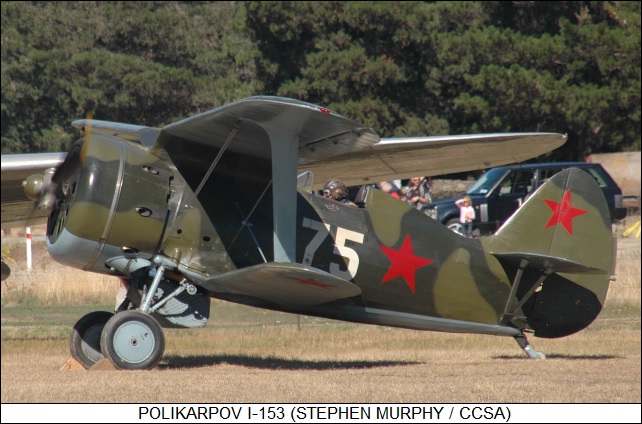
x=114, y=204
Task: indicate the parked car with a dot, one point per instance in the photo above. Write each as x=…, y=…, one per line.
x=498, y=193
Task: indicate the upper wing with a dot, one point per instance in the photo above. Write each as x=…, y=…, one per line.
x=332, y=146
x=399, y=158
x=17, y=209
x=317, y=132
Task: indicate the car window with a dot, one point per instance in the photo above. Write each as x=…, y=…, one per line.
x=547, y=174
x=486, y=182
x=518, y=182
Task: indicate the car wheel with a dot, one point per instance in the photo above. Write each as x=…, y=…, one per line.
x=454, y=225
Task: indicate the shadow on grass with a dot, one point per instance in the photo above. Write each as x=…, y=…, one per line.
x=562, y=356
x=273, y=363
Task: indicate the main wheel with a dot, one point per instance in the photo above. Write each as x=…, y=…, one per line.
x=84, y=341
x=133, y=340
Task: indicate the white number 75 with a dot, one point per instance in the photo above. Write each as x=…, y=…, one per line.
x=343, y=234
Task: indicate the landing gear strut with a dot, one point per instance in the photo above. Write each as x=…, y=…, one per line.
x=513, y=305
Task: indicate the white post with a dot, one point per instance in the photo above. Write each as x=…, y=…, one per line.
x=28, y=248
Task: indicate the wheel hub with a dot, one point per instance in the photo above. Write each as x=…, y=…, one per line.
x=134, y=342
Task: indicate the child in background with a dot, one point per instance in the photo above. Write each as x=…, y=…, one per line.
x=466, y=215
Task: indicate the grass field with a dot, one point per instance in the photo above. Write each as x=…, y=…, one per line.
x=252, y=355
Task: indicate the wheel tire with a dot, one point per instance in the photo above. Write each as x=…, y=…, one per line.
x=453, y=224
x=133, y=340
x=84, y=341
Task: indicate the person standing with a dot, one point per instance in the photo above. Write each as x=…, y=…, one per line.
x=466, y=215
x=417, y=193
x=389, y=188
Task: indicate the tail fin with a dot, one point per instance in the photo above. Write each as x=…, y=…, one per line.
x=560, y=249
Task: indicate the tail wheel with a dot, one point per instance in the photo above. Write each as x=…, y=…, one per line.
x=133, y=340
x=84, y=342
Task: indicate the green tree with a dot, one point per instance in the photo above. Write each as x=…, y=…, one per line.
x=142, y=62
x=404, y=68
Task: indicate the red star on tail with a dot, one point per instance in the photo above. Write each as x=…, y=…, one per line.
x=563, y=212
x=404, y=263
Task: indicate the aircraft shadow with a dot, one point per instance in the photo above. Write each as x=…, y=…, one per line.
x=272, y=363
x=561, y=356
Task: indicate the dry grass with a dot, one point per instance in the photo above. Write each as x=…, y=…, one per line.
x=251, y=355
x=340, y=363
x=624, y=292
x=50, y=283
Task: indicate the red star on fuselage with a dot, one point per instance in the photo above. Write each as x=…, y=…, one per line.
x=404, y=263
x=563, y=212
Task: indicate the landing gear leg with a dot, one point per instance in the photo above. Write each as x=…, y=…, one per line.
x=522, y=341
x=133, y=339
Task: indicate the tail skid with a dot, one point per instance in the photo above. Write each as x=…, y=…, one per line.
x=559, y=249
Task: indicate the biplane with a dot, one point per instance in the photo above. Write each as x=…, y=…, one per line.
x=226, y=205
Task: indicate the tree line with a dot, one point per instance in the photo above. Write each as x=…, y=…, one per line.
x=403, y=68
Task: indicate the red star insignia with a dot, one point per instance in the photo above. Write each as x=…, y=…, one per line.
x=563, y=212
x=311, y=282
x=404, y=263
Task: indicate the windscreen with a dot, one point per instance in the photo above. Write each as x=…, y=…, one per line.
x=486, y=182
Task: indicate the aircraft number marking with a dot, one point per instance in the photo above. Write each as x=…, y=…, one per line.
x=323, y=230
x=340, y=248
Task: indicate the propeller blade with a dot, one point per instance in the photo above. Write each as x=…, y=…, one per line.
x=53, y=190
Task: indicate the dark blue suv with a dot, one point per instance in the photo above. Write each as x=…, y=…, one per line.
x=498, y=193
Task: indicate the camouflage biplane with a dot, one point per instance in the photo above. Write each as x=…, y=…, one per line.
x=225, y=205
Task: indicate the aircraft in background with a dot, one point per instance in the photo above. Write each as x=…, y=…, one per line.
x=225, y=205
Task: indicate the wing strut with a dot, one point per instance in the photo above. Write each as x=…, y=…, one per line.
x=285, y=157
x=218, y=158
x=246, y=224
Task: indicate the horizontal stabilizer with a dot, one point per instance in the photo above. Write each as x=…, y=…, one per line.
x=552, y=263
x=287, y=284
